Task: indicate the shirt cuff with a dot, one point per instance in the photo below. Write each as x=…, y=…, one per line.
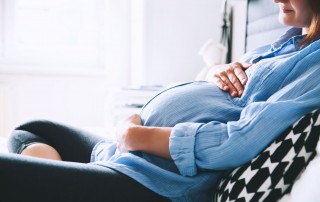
x=182, y=145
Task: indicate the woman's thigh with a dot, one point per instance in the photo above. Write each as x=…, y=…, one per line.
x=72, y=144
x=32, y=179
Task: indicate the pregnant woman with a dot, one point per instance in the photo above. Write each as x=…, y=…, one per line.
x=185, y=137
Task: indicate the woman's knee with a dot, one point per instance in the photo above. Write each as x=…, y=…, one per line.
x=25, y=135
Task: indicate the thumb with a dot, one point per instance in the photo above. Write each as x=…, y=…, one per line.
x=246, y=65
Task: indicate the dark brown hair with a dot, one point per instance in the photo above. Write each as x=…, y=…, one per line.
x=314, y=29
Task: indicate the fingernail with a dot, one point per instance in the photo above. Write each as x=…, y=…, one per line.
x=233, y=94
x=240, y=93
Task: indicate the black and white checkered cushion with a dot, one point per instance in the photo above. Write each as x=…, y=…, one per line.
x=272, y=173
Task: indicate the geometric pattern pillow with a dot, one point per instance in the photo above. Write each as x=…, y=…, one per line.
x=272, y=173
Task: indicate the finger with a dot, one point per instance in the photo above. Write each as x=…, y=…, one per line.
x=134, y=119
x=119, y=147
x=241, y=75
x=232, y=90
x=246, y=65
x=235, y=82
x=218, y=81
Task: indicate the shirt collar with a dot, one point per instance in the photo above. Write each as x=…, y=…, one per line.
x=288, y=35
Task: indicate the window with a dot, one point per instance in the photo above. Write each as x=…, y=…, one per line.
x=52, y=33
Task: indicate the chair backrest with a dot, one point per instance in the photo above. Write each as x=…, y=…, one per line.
x=263, y=26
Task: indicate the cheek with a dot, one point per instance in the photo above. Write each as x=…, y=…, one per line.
x=305, y=18
x=304, y=13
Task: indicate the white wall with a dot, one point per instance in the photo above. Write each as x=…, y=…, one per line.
x=73, y=100
x=3, y=109
x=175, y=31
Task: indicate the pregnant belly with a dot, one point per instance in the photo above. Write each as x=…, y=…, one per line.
x=200, y=102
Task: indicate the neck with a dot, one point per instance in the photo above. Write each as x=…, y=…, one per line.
x=305, y=30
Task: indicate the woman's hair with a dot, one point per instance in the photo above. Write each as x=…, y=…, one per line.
x=314, y=29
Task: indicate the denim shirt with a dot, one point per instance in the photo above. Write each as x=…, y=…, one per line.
x=212, y=131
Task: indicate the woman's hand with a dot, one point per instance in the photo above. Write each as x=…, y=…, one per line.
x=126, y=136
x=229, y=77
x=135, y=137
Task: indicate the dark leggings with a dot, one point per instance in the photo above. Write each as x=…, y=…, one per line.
x=32, y=179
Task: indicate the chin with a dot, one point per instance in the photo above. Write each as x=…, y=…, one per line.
x=288, y=21
x=284, y=21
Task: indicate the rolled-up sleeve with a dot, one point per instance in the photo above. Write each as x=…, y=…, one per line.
x=221, y=146
x=183, y=141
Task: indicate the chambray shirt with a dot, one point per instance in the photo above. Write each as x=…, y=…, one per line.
x=212, y=131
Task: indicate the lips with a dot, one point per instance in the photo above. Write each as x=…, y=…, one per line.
x=286, y=10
